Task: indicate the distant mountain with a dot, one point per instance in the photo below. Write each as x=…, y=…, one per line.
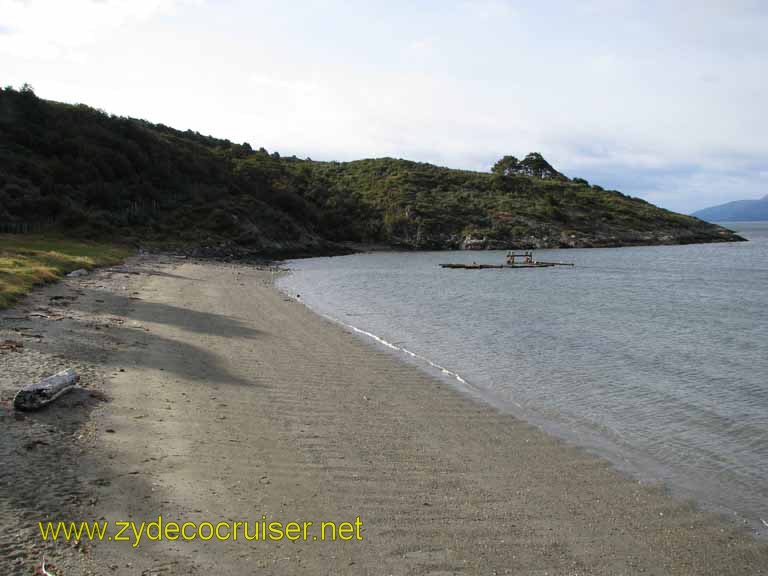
x=740, y=210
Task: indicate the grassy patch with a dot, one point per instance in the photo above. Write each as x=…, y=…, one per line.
x=29, y=261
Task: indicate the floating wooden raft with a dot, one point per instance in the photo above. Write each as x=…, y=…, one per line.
x=521, y=265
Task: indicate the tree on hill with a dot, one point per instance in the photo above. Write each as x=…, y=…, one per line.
x=506, y=166
x=533, y=165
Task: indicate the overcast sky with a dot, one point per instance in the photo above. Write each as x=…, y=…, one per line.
x=663, y=100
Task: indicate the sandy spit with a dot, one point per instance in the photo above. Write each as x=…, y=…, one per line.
x=208, y=396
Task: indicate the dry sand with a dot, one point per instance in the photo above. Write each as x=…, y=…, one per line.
x=229, y=401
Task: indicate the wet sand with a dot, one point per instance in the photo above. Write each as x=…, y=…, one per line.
x=228, y=401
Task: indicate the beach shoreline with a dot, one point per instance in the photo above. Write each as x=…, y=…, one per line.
x=230, y=400
x=628, y=461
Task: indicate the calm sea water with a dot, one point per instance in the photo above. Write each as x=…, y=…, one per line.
x=654, y=357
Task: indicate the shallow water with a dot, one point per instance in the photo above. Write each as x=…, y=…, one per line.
x=655, y=357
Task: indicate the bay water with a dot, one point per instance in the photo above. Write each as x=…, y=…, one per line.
x=653, y=357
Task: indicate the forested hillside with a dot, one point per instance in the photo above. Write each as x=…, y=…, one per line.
x=79, y=170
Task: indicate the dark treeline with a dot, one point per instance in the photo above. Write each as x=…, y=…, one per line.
x=83, y=171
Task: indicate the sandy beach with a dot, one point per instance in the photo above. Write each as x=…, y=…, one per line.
x=210, y=396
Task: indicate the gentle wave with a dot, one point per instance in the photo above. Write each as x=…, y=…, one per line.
x=391, y=345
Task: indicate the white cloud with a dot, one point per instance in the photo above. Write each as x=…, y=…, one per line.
x=44, y=28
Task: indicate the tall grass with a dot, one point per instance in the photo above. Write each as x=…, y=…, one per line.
x=27, y=261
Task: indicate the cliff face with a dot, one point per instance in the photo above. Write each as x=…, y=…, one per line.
x=82, y=171
x=558, y=238
x=554, y=237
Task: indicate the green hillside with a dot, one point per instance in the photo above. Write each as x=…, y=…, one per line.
x=80, y=171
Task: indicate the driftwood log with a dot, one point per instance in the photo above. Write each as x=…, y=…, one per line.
x=35, y=396
x=77, y=273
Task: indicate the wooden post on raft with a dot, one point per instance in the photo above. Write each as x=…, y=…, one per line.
x=35, y=396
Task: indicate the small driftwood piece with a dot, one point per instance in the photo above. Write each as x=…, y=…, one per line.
x=35, y=396
x=77, y=273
